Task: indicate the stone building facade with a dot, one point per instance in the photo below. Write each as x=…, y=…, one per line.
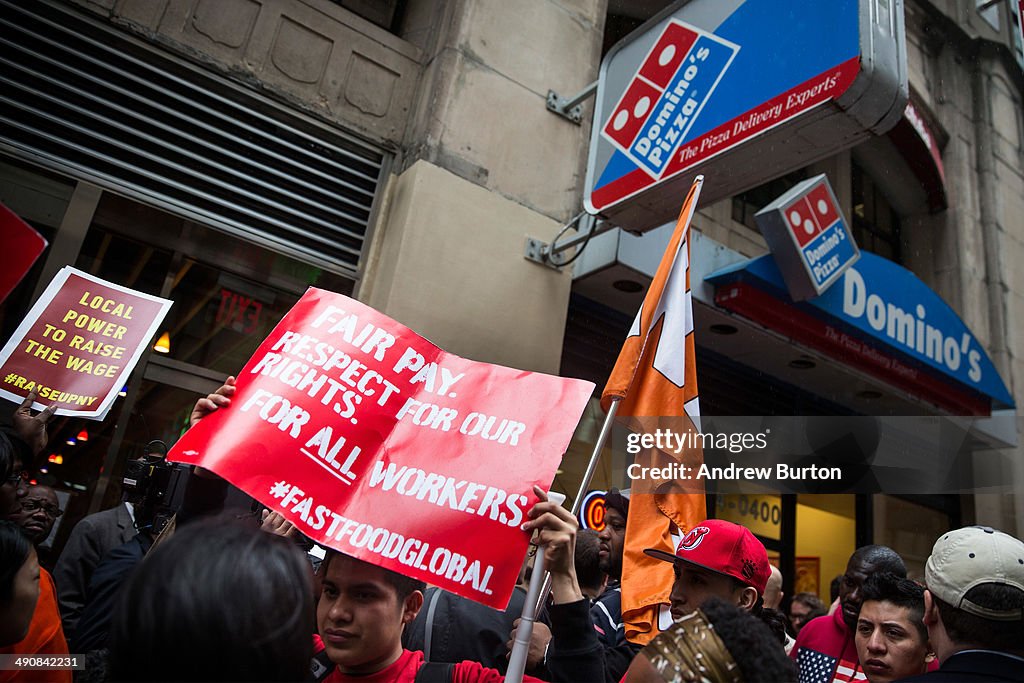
x=458, y=161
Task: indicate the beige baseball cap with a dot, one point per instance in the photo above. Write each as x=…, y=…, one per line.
x=972, y=556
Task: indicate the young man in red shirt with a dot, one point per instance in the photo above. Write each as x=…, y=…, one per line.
x=364, y=608
x=825, y=650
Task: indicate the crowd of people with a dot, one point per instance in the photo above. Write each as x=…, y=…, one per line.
x=211, y=595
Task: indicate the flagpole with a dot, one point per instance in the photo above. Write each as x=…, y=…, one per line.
x=606, y=428
x=595, y=457
x=540, y=581
x=613, y=408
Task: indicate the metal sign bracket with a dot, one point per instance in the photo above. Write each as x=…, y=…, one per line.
x=548, y=254
x=570, y=108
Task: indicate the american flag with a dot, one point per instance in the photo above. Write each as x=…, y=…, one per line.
x=818, y=667
x=849, y=671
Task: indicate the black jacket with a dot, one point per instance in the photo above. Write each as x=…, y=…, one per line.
x=463, y=629
x=975, y=666
x=113, y=570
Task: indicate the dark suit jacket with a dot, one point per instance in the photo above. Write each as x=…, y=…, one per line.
x=111, y=573
x=91, y=539
x=975, y=666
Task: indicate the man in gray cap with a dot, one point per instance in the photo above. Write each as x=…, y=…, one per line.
x=974, y=606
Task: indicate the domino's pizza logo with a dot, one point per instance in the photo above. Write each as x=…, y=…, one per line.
x=811, y=214
x=820, y=234
x=667, y=94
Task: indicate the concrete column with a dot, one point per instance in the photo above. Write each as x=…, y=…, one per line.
x=485, y=164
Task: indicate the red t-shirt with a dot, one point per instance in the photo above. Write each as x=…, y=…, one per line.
x=405, y=667
x=45, y=637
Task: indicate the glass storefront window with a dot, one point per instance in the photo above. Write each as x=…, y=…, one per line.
x=73, y=461
x=219, y=319
x=610, y=468
x=158, y=411
x=228, y=293
x=124, y=260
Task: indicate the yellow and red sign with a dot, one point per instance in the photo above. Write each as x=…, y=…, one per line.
x=79, y=343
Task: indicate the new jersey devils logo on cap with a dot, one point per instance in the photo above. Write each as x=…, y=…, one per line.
x=692, y=539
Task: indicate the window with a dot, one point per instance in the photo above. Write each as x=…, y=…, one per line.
x=384, y=13
x=875, y=224
x=625, y=16
x=228, y=293
x=745, y=205
x=989, y=11
x=1018, y=37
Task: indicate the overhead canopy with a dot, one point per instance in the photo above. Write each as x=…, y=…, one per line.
x=881, y=318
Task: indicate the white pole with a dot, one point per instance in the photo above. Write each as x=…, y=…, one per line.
x=602, y=438
x=521, y=646
x=606, y=429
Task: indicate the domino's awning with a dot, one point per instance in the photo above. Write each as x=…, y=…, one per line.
x=879, y=318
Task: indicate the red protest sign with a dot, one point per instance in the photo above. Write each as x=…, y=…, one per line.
x=22, y=246
x=79, y=343
x=375, y=442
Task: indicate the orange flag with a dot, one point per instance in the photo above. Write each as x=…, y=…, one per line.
x=655, y=380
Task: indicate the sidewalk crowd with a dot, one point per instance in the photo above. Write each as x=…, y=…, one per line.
x=207, y=594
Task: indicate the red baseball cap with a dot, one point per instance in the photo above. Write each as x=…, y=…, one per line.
x=725, y=548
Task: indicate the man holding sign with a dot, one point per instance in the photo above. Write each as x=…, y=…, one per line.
x=405, y=460
x=364, y=608
x=376, y=443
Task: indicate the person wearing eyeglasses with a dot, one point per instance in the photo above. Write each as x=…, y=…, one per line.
x=36, y=512
x=13, y=485
x=19, y=444
x=20, y=441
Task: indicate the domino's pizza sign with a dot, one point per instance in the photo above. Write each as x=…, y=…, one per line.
x=740, y=91
x=668, y=93
x=809, y=238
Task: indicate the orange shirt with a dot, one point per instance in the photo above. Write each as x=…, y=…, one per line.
x=45, y=637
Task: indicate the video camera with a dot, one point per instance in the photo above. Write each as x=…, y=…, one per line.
x=154, y=486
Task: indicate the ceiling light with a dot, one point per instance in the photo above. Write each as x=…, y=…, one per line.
x=163, y=344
